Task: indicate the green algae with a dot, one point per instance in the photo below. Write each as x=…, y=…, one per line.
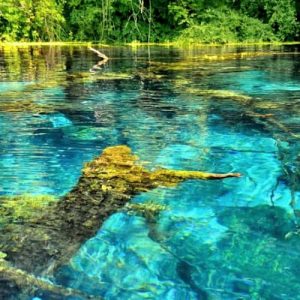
x=87, y=134
x=235, y=56
x=100, y=75
x=253, y=260
x=149, y=210
x=107, y=183
x=123, y=174
x=205, y=63
x=92, y=76
x=24, y=207
x=185, y=87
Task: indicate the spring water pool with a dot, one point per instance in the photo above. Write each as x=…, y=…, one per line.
x=212, y=109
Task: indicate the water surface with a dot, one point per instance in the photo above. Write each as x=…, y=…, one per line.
x=231, y=239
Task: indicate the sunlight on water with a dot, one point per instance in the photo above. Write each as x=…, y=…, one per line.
x=231, y=239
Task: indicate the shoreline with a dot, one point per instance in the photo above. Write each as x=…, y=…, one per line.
x=145, y=44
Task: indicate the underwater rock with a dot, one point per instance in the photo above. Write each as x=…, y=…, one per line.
x=254, y=260
x=270, y=221
x=107, y=183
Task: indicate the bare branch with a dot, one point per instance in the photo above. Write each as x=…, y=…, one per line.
x=103, y=60
x=100, y=54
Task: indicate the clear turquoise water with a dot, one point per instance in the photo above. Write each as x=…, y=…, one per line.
x=217, y=239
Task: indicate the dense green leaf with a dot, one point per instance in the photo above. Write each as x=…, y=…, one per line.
x=208, y=21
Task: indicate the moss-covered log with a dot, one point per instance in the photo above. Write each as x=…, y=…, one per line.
x=43, y=242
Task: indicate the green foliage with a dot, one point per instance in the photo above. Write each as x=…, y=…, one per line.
x=282, y=18
x=253, y=30
x=281, y=15
x=224, y=26
x=2, y=256
x=205, y=21
x=31, y=20
x=89, y=20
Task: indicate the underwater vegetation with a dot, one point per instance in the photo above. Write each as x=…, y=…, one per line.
x=107, y=183
x=197, y=240
x=22, y=208
x=149, y=210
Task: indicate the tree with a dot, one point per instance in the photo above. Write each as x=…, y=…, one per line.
x=31, y=20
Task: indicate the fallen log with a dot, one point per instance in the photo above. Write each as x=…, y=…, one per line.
x=45, y=242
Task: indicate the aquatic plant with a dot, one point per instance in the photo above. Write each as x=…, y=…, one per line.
x=24, y=207
x=282, y=221
x=291, y=234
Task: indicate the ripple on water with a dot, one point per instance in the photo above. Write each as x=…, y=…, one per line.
x=224, y=238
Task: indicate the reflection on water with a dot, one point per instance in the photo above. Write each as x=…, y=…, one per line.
x=231, y=239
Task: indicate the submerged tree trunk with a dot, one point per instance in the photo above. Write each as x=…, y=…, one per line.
x=40, y=245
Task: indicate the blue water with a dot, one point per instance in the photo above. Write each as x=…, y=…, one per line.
x=216, y=239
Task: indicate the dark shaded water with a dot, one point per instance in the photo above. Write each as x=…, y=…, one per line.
x=231, y=239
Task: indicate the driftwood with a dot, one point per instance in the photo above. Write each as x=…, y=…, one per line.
x=103, y=60
x=41, y=245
